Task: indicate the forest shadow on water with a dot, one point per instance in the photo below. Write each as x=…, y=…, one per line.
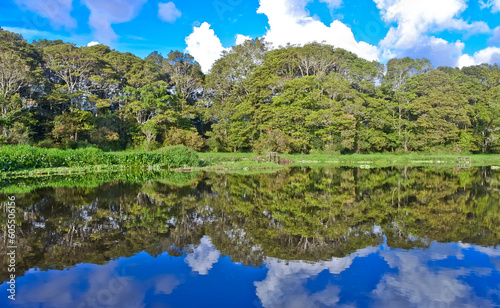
x=300, y=237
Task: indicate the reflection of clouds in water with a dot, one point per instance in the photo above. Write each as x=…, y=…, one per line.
x=204, y=257
x=420, y=281
x=107, y=287
x=492, y=253
x=53, y=293
x=416, y=284
x=166, y=284
x=284, y=283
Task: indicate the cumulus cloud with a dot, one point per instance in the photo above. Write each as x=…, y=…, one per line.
x=415, y=20
x=240, y=39
x=58, y=12
x=204, y=46
x=168, y=12
x=440, y=52
x=204, y=257
x=93, y=43
x=490, y=55
x=103, y=14
x=289, y=22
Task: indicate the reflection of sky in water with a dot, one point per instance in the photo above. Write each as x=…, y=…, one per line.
x=445, y=275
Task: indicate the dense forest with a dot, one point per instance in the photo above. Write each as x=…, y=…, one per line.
x=255, y=98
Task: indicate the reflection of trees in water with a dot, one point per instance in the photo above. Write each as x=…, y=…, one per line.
x=295, y=214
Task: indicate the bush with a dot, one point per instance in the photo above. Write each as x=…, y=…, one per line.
x=179, y=156
x=274, y=141
x=189, y=138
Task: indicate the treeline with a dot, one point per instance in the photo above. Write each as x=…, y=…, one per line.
x=291, y=100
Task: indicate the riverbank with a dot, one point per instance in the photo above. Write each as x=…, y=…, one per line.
x=249, y=160
x=28, y=161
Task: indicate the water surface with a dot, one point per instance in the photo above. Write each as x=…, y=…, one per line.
x=331, y=237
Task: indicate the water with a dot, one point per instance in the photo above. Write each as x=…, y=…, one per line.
x=332, y=237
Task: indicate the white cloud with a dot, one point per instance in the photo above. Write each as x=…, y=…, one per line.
x=105, y=13
x=416, y=20
x=289, y=22
x=168, y=12
x=204, y=257
x=204, y=46
x=58, y=12
x=493, y=4
x=30, y=34
x=440, y=52
x=332, y=4
x=93, y=43
x=495, y=38
x=240, y=39
x=490, y=55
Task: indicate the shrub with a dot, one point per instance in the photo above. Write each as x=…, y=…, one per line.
x=189, y=138
x=275, y=141
x=179, y=155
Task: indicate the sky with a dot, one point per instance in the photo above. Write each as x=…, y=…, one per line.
x=454, y=33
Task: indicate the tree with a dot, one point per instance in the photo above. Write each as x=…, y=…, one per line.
x=440, y=111
x=399, y=71
x=72, y=65
x=69, y=125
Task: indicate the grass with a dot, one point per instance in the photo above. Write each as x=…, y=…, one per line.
x=34, y=161
x=27, y=159
x=247, y=160
x=389, y=159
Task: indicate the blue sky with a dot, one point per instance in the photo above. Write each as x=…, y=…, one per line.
x=448, y=32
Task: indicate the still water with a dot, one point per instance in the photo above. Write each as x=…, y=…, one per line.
x=331, y=237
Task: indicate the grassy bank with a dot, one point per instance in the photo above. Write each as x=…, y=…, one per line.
x=388, y=159
x=25, y=160
x=30, y=159
x=251, y=160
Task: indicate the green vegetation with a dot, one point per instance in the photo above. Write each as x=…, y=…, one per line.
x=387, y=160
x=294, y=100
x=25, y=184
x=13, y=158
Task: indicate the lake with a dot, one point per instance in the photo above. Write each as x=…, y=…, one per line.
x=300, y=237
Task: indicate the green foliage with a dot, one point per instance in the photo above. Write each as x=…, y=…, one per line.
x=292, y=99
x=179, y=156
x=189, y=138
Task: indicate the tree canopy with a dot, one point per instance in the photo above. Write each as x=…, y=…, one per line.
x=294, y=99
